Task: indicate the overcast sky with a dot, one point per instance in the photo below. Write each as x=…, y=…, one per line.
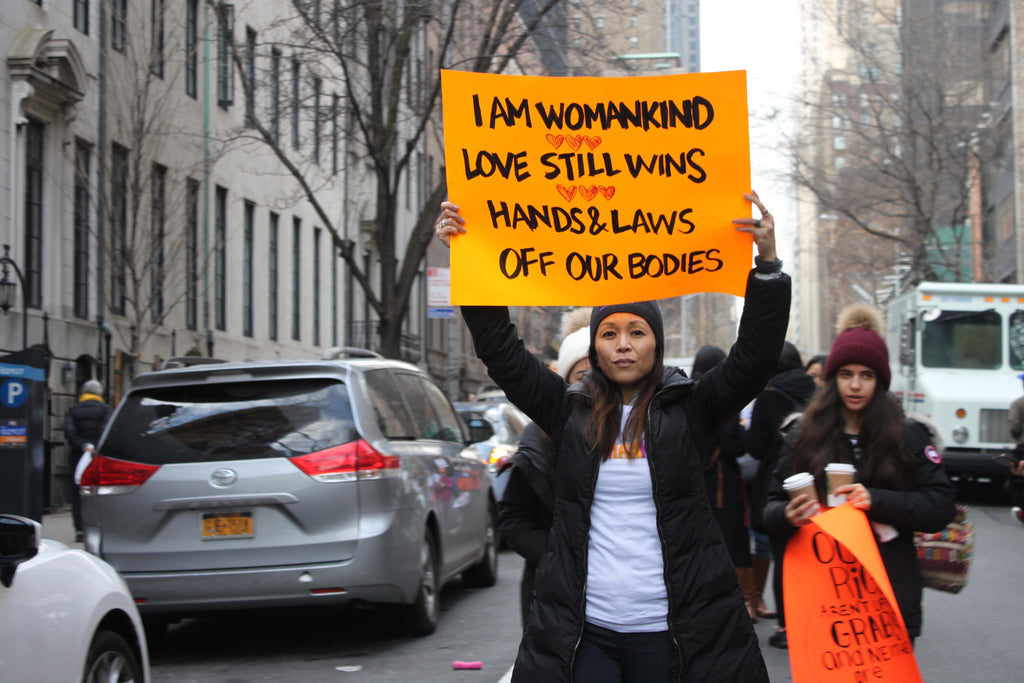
x=763, y=38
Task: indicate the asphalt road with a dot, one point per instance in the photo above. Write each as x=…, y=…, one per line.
x=971, y=636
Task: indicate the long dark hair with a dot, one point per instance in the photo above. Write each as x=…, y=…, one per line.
x=606, y=409
x=885, y=460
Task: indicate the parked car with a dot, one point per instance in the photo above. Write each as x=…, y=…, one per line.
x=65, y=615
x=495, y=429
x=287, y=483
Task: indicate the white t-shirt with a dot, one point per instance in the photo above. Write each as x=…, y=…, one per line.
x=625, y=568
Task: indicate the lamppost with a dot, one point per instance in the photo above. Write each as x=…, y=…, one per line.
x=7, y=288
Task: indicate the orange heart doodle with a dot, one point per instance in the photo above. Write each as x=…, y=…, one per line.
x=588, y=192
x=574, y=141
x=592, y=142
x=607, y=191
x=567, y=192
x=555, y=140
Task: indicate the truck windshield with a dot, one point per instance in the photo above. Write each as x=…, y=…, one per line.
x=962, y=339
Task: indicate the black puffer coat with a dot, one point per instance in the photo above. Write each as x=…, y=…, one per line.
x=83, y=423
x=713, y=635
x=927, y=502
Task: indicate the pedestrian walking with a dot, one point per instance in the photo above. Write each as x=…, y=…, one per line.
x=900, y=484
x=83, y=425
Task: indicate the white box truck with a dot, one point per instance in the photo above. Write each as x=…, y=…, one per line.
x=955, y=350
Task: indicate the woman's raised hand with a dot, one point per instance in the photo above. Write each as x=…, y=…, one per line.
x=763, y=228
x=449, y=223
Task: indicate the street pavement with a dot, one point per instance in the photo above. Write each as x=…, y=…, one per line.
x=58, y=526
x=970, y=636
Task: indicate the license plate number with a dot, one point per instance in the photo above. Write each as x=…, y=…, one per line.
x=227, y=525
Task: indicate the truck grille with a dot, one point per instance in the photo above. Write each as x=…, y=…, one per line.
x=992, y=427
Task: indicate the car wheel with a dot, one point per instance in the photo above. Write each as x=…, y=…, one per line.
x=484, y=573
x=111, y=660
x=423, y=613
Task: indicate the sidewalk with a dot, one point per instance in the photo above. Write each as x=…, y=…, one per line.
x=59, y=527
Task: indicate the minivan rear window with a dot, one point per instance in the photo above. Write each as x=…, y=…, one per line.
x=230, y=421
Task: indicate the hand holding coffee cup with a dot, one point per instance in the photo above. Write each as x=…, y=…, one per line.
x=857, y=495
x=803, y=498
x=838, y=475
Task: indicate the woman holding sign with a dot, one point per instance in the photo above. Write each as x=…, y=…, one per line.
x=854, y=420
x=636, y=583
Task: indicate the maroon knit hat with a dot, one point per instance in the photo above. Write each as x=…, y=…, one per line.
x=859, y=343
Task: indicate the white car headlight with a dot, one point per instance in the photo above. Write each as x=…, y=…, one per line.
x=960, y=434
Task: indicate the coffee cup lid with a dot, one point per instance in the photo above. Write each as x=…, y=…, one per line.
x=843, y=467
x=798, y=481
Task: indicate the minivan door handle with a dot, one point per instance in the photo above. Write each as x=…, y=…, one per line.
x=217, y=502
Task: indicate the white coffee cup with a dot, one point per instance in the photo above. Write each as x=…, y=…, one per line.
x=838, y=474
x=801, y=482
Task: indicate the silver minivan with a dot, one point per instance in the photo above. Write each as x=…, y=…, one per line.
x=223, y=486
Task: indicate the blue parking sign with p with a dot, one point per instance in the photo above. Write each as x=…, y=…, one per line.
x=13, y=393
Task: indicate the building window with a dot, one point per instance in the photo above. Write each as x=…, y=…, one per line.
x=317, y=84
x=118, y=24
x=225, y=73
x=191, y=47
x=296, y=72
x=296, y=277
x=81, y=286
x=250, y=76
x=81, y=15
x=34, y=213
x=275, y=95
x=335, y=131
x=118, y=226
x=157, y=61
x=192, y=254
x=220, y=260
x=247, y=284
x=272, y=276
x=158, y=220
x=316, y=286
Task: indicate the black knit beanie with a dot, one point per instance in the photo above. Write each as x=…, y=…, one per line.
x=648, y=310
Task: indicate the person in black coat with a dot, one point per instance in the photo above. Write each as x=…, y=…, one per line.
x=524, y=511
x=635, y=582
x=83, y=425
x=899, y=482
x=725, y=485
x=787, y=392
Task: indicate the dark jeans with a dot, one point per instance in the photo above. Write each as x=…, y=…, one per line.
x=609, y=657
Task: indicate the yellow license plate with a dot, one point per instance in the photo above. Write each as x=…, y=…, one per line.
x=228, y=525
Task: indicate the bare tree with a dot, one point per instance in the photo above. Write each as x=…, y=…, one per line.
x=890, y=141
x=147, y=200
x=385, y=58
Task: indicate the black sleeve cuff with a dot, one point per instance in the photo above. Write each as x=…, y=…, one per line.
x=767, y=267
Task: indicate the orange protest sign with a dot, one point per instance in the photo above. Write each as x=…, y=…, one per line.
x=589, y=191
x=842, y=621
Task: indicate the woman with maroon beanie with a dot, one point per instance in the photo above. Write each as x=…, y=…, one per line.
x=853, y=419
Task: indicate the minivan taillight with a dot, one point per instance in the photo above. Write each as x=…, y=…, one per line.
x=348, y=462
x=111, y=477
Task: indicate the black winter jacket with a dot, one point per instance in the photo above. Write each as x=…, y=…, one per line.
x=713, y=637
x=524, y=511
x=83, y=423
x=786, y=393
x=925, y=503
